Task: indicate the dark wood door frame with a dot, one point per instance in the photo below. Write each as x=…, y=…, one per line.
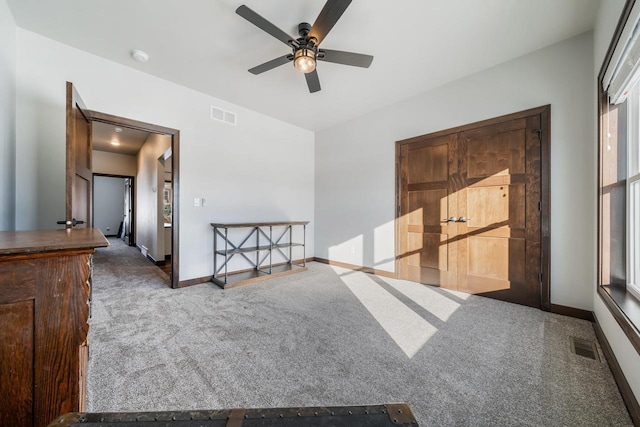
x=545, y=190
x=133, y=199
x=109, y=119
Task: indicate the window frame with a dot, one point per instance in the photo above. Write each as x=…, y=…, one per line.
x=633, y=241
x=621, y=301
x=633, y=200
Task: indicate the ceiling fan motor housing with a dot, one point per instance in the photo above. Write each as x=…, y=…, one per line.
x=303, y=29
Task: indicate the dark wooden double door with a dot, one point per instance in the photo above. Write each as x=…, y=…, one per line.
x=469, y=209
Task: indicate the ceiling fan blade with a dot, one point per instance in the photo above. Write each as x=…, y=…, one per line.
x=329, y=15
x=313, y=81
x=271, y=64
x=263, y=24
x=346, y=58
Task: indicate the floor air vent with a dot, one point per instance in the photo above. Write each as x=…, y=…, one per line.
x=584, y=348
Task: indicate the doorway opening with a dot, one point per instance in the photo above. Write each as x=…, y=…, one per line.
x=165, y=209
x=114, y=206
x=153, y=165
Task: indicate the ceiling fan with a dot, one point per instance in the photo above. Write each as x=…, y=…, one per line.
x=305, y=49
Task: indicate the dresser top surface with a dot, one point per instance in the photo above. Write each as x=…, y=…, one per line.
x=24, y=242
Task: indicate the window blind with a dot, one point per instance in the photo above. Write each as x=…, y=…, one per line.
x=623, y=72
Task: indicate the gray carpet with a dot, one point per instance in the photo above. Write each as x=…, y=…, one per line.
x=331, y=336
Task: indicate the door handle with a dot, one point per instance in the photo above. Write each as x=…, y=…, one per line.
x=71, y=223
x=450, y=219
x=463, y=219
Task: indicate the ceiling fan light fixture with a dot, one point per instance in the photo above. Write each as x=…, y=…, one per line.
x=305, y=60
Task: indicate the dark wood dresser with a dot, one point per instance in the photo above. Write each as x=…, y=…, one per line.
x=45, y=282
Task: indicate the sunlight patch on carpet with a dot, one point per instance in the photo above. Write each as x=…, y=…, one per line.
x=426, y=297
x=408, y=329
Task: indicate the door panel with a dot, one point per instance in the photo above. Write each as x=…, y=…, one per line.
x=16, y=353
x=489, y=179
x=496, y=258
x=428, y=163
x=492, y=264
x=486, y=257
x=78, y=166
x=425, y=255
x=427, y=207
x=496, y=268
x=496, y=206
x=427, y=250
x=496, y=150
x=81, y=199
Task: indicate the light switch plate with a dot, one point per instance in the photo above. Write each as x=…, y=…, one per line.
x=196, y=202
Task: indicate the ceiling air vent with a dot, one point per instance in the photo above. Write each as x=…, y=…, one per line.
x=223, y=115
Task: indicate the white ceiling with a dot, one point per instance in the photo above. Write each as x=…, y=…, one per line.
x=131, y=140
x=204, y=45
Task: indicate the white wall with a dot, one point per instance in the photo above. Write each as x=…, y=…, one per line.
x=626, y=354
x=261, y=169
x=114, y=163
x=355, y=162
x=7, y=117
x=108, y=204
x=150, y=185
x=606, y=22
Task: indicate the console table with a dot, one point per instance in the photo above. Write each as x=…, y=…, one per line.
x=45, y=280
x=257, y=245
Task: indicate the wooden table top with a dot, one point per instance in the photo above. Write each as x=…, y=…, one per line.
x=24, y=242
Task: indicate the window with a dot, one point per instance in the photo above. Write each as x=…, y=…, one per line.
x=633, y=193
x=619, y=175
